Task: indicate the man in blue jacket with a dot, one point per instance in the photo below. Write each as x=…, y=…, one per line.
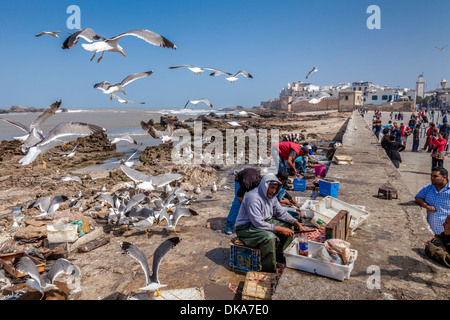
x=264, y=224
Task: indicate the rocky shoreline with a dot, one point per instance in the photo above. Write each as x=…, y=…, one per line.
x=202, y=256
x=23, y=109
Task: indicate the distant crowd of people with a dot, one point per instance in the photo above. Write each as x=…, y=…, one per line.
x=394, y=135
x=434, y=197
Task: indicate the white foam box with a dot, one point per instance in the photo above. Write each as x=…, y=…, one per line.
x=59, y=233
x=327, y=208
x=305, y=208
x=316, y=266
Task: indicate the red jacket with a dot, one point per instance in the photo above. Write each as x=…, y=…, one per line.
x=283, y=148
x=439, y=144
x=429, y=131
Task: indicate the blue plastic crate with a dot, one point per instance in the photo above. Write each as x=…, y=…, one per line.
x=329, y=188
x=244, y=259
x=300, y=185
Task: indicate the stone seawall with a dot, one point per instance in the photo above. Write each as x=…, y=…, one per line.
x=390, y=241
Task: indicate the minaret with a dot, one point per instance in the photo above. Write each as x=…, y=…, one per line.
x=420, y=86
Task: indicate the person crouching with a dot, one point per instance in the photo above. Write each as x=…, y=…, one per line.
x=264, y=224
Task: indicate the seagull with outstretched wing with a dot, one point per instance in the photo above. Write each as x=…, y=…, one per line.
x=45, y=283
x=152, y=283
x=52, y=139
x=51, y=33
x=197, y=101
x=172, y=218
x=315, y=69
x=112, y=89
x=111, y=44
x=165, y=136
x=232, y=78
x=194, y=69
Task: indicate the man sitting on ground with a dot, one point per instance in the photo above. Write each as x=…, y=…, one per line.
x=264, y=224
x=438, y=248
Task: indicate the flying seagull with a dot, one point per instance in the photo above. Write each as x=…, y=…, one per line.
x=111, y=44
x=52, y=138
x=197, y=101
x=232, y=77
x=112, y=89
x=165, y=136
x=45, y=283
x=441, y=48
x=312, y=71
x=51, y=33
x=126, y=138
x=194, y=69
x=34, y=132
x=152, y=283
x=148, y=182
x=172, y=219
x=123, y=101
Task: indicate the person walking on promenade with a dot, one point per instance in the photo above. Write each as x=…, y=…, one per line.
x=431, y=132
x=444, y=128
x=416, y=138
x=405, y=132
x=393, y=149
x=438, y=146
x=435, y=198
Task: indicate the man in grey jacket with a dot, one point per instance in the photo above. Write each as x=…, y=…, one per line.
x=264, y=224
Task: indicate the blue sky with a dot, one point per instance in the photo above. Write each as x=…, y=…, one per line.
x=277, y=42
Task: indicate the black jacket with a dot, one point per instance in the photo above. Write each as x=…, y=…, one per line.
x=393, y=149
x=248, y=179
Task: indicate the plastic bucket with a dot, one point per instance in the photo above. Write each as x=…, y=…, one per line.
x=300, y=185
x=320, y=169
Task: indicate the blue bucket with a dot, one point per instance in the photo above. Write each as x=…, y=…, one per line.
x=300, y=185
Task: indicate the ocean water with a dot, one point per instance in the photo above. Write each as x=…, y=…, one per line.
x=117, y=121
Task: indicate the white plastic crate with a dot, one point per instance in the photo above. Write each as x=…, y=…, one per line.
x=316, y=266
x=329, y=207
x=305, y=208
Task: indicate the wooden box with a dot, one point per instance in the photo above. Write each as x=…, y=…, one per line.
x=243, y=258
x=338, y=227
x=6, y=263
x=259, y=285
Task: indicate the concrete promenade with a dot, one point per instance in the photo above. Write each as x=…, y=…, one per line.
x=391, y=240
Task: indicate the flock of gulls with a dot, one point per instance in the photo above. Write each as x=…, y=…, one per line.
x=131, y=205
x=134, y=205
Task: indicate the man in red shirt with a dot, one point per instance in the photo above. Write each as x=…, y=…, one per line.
x=431, y=132
x=288, y=151
x=406, y=131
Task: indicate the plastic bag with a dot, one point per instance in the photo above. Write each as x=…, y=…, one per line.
x=322, y=254
x=339, y=247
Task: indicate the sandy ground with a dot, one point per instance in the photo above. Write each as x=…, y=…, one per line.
x=201, y=259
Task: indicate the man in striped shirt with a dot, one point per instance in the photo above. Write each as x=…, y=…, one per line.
x=435, y=198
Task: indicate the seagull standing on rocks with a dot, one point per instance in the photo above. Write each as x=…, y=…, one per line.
x=197, y=189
